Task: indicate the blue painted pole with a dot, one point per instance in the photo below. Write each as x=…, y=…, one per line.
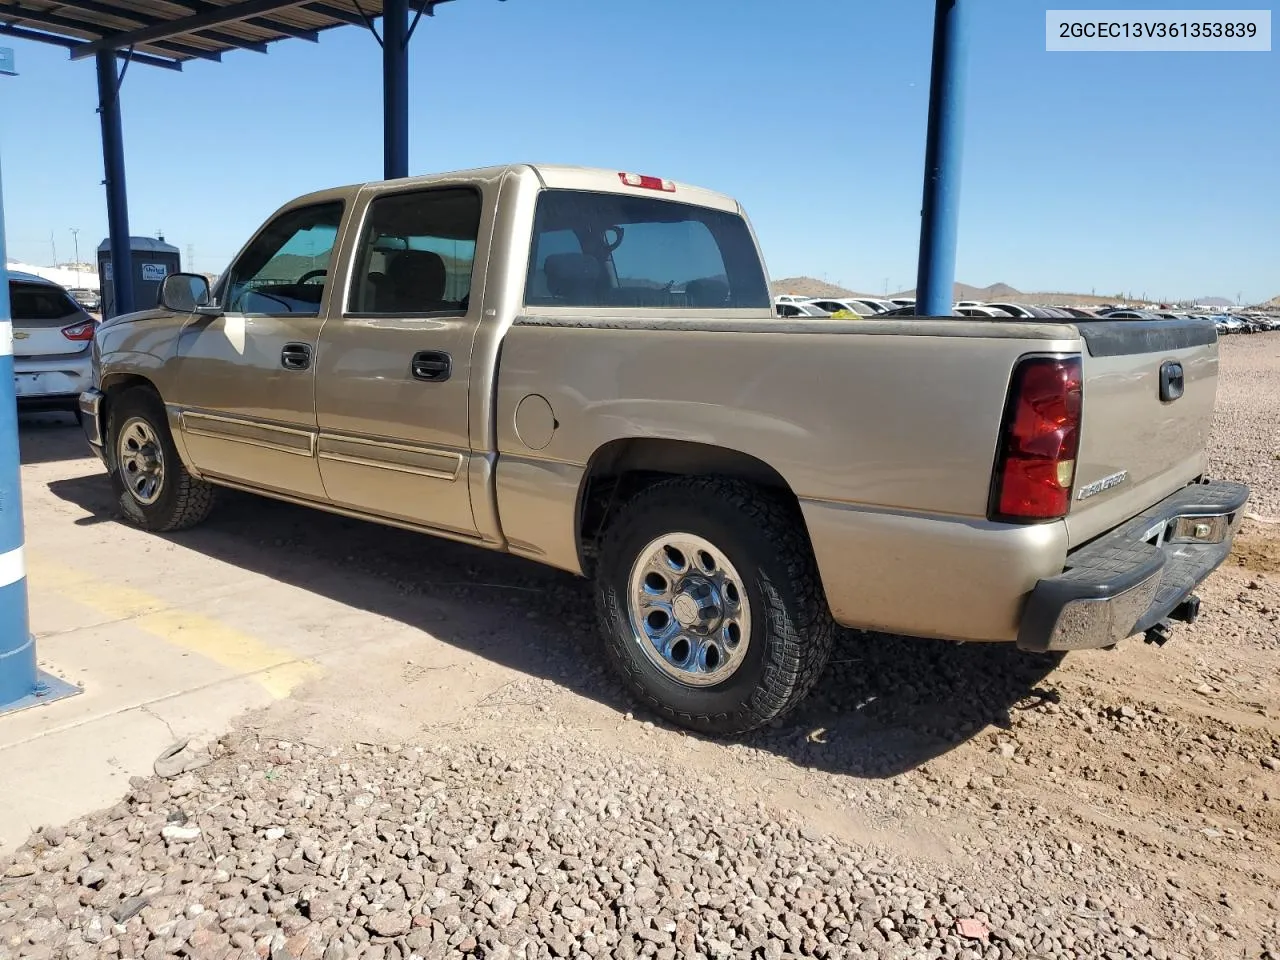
x=113, y=174
x=940, y=212
x=18, y=678
x=395, y=89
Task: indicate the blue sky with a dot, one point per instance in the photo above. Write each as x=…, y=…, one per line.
x=1151, y=172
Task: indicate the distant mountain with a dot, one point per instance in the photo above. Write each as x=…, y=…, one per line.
x=809, y=287
x=995, y=293
x=963, y=291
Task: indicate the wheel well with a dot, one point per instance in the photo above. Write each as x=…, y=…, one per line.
x=120, y=382
x=623, y=468
x=112, y=387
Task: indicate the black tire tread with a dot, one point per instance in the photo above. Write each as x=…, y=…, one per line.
x=807, y=633
x=192, y=500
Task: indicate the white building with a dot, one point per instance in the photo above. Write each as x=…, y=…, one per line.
x=67, y=277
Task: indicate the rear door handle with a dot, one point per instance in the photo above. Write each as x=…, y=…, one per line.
x=295, y=356
x=434, y=366
x=1172, y=381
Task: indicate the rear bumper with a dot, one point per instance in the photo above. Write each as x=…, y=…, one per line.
x=39, y=380
x=1131, y=579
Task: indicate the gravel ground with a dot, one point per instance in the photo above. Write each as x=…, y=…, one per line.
x=930, y=799
x=1245, y=444
x=293, y=851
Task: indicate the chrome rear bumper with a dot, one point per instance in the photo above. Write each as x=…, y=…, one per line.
x=1131, y=579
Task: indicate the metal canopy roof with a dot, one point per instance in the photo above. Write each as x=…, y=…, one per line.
x=168, y=33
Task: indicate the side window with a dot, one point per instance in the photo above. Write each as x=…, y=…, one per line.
x=417, y=253
x=616, y=250
x=286, y=267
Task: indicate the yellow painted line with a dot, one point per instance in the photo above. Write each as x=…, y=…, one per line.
x=276, y=670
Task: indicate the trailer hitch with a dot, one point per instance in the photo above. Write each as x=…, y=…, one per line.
x=1188, y=610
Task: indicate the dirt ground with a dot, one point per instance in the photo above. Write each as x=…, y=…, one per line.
x=1109, y=803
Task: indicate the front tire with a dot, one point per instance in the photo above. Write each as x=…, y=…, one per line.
x=710, y=603
x=153, y=488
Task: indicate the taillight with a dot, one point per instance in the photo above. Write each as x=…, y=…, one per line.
x=648, y=183
x=1036, y=466
x=79, y=331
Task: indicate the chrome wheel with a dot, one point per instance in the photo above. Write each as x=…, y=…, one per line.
x=688, y=609
x=141, y=461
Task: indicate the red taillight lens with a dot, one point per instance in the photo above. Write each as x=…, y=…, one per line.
x=1037, y=464
x=79, y=331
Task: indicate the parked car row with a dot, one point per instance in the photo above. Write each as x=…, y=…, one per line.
x=1246, y=322
x=847, y=307
x=89, y=299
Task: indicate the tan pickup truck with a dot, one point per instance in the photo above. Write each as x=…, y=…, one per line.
x=583, y=367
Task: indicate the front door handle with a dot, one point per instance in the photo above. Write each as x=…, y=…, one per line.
x=434, y=366
x=295, y=356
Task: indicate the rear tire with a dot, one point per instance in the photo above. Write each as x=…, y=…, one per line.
x=710, y=602
x=153, y=488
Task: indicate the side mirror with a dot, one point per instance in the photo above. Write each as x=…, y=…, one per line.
x=184, y=292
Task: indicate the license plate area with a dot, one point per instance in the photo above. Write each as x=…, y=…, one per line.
x=1213, y=528
x=30, y=384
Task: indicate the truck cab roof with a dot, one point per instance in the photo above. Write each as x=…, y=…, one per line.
x=551, y=176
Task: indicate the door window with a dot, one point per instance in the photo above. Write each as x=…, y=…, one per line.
x=417, y=253
x=285, y=269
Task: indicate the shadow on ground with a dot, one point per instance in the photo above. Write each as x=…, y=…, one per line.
x=886, y=705
x=49, y=436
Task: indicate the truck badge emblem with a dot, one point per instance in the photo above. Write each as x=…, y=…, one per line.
x=1106, y=483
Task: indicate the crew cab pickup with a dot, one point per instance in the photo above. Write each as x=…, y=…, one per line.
x=584, y=368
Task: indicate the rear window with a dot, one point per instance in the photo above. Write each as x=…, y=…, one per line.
x=33, y=301
x=611, y=250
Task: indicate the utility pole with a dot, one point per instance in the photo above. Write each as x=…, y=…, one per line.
x=54, y=247
x=75, y=238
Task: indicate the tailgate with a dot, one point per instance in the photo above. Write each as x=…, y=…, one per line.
x=40, y=313
x=1137, y=447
